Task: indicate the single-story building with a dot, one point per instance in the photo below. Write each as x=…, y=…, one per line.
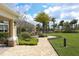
x=4, y=26
x=7, y=14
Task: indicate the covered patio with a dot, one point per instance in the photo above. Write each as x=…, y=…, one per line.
x=9, y=15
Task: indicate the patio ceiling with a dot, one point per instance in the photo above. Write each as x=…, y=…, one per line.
x=6, y=12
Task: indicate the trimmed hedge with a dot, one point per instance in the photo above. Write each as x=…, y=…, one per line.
x=28, y=41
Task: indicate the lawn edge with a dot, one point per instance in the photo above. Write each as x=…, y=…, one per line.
x=54, y=48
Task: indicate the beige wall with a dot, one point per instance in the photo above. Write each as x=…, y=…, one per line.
x=6, y=13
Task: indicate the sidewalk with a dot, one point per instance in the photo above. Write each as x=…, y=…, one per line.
x=42, y=49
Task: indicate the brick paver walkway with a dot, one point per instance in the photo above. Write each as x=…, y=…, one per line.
x=42, y=49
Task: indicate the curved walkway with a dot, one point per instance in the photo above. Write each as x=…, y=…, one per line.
x=42, y=49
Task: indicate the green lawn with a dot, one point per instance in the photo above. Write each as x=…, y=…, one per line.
x=72, y=48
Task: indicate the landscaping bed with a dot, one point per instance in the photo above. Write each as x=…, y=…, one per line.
x=27, y=39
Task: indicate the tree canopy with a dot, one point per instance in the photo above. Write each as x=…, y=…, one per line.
x=42, y=18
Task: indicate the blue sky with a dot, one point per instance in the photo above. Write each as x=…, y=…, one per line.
x=61, y=11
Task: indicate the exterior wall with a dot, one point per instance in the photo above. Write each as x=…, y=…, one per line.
x=6, y=13
x=3, y=27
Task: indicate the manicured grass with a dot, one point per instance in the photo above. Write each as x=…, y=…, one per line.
x=72, y=48
x=28, y=41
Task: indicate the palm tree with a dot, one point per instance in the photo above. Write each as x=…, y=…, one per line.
x=61, y=24
x=53, y=20
x=54, y=26
x=38, y=27
x=43, y=18
x=73, y=23
x=67, y=27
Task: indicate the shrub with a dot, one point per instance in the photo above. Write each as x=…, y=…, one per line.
x=3, y=35
x=42, y=35
x=25, y=35
x=26, y=39
x=57, y=31
x=73, y=31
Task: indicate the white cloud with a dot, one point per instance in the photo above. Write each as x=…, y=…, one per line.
x=62, y=15
x=47, y=11
x=44, y=6
x=73, y=14
x=55, y=8
x=74, y=7
x=19, y=8
x=24, y=8
x=52, y=9
x=34, y=15
x=65, y=10
x=69, y=7
x=30, y=19
x=65, y=14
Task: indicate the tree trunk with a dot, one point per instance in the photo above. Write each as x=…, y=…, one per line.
x=53, y=27
x=48, y=27
x=43, y=27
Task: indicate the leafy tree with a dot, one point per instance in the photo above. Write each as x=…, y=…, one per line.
x=42, y=18
x=24, y=26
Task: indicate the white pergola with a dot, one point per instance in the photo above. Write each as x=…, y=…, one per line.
x=7, y=14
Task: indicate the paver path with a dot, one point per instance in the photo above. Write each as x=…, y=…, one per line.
x=42, y=49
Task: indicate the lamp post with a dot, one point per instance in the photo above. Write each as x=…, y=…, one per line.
x=65, y=42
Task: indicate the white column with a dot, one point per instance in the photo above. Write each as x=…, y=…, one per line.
x=12, y=34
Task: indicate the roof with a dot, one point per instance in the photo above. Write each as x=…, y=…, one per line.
x=9, y=10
